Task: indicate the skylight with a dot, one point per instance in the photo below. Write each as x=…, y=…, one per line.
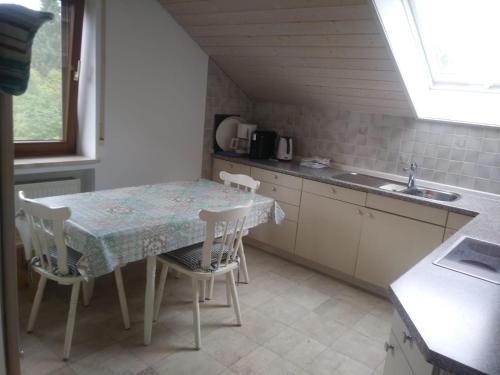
x=460, y=41
x=448, y=54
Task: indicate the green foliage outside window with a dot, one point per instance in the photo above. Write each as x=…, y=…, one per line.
x=38, y=113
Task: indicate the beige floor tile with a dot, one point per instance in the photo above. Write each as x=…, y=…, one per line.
x=255, y=362
x=320, y=329
x=228, y=346
x=254, y=298
x=361, y=348
x=304, y=353
x=39, y=360
x=285, y=341
x=326, y=285
x=259, y=327
x=332, y=363
x=281, y=366
x=374, y=327
x=189, y=363
x=341, y=311
x=306, y=297
x=112, y=360
x=283, y=310
x=66, y=370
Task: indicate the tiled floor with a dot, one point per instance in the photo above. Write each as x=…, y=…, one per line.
x=295, y=321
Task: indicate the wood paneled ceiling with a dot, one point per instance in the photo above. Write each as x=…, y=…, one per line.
x=317, y=52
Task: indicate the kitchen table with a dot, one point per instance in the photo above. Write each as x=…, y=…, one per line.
x=114, y=227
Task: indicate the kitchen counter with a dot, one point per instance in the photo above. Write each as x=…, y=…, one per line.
x=454, y=318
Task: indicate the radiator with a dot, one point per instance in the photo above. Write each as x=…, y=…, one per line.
x=47, y=188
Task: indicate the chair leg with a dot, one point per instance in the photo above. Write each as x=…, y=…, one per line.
x=36, y=303
x=211, y=288
x=203, y=290
x=87, y=291
x=234, y=296
x=244, y=268
x=122, y=297
x=161, y=290
x=70, y=325
x=228, y=291
x=196, y=314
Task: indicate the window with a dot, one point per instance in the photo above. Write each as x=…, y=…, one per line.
x=448, y=56
x=45, y=116
x=460, y=41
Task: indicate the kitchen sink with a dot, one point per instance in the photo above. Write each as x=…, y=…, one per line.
x=475, y=258
x=437, y=195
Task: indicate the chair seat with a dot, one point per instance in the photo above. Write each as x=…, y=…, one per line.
x=191, y=256
x=73, y=258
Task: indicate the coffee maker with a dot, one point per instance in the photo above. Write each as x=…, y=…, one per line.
x=241, y=144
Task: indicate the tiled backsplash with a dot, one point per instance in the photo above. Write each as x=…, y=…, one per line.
x=461, y=155
x=223, y=96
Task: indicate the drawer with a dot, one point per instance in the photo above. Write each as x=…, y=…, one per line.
x=415, y=358
x=335, y=192
x=457, y=221
x=413, y=210
x=280, y=236
x=228, y=166
x=281, y=179
x=448, y=233
x=280, y=193
x=291, y=211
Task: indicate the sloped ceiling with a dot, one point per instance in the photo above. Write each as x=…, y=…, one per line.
x=317, y=52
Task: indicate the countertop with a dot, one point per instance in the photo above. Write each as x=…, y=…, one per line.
x=454, y=318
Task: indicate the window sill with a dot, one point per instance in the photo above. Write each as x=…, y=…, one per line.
x=53, y=161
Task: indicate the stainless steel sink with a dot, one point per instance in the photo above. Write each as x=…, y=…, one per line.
x=437, y=195
x=475, y=258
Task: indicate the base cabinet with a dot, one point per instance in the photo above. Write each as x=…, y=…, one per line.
x=280, y=236
x=328, y=232
x=395, y=361
x=390, y=245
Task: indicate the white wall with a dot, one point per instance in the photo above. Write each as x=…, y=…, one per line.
x=155, y=81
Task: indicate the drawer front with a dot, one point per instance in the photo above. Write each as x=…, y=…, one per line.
x=413, y=210
x=280, y=236
x=280, y=193
x=335, y=192
x=230, y=167
x=416, y=360
x=457, y=221
x=291, y=211
x=277, y=178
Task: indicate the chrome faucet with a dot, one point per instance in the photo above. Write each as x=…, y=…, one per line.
x=412, y=169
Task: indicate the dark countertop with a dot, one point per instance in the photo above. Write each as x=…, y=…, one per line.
x=454, y=318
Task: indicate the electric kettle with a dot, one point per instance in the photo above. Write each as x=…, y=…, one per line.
x=285, y=148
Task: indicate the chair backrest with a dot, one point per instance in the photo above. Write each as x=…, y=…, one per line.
x=46, y=227
x=241, y=181
x=231, y=222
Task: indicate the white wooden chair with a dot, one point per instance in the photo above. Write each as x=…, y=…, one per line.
x=53, y=260
x=212, y=258
x=247, y=183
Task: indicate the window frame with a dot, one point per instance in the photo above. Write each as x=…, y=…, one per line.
x=73, y=39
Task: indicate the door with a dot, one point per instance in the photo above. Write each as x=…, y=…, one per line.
x=395, y=361
x=329, y=232
x=390, y=245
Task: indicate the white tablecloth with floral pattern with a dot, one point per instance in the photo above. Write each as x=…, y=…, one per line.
x=118, y=226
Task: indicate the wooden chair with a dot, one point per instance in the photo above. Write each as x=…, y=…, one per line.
x=212, y=258
x=53, y=260
x=247, y=183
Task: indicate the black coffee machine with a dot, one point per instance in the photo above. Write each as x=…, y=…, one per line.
x=262, y=144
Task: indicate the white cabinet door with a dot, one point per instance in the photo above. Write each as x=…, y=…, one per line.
x=395, y=361
x=390, y=245
x=280, y=236
x=328, y=232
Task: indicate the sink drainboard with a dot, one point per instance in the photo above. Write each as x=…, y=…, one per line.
x=475, y=258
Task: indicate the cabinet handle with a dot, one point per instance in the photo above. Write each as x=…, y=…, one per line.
x=388, y=347
x=407, y=337
x=334, y=191
x=371, y=216
x=275, y=176
x=274, y=189
x=360, y=212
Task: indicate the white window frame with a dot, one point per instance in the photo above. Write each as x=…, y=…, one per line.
x=431, y=102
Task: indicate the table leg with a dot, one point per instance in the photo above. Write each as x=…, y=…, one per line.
x=150, y=297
